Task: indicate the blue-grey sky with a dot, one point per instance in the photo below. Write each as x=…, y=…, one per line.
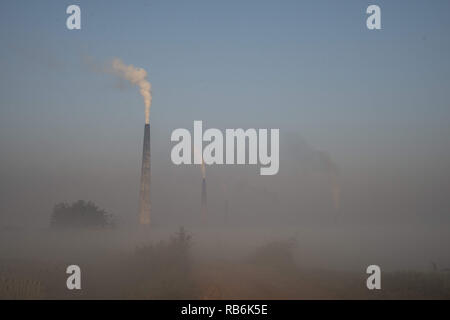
x=375, y=100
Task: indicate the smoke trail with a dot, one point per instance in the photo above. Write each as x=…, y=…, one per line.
x=204, y=210
x=136, y=76
x=203, y=169
x=319, y=161
x=199, y=154
x=335, y=191
x=330, y=167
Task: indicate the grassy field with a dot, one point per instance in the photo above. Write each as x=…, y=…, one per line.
x=172, y=268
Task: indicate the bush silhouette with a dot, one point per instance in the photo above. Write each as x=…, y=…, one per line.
x=163, y=269
x=80, y=214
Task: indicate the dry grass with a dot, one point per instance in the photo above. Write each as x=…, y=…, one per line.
x=16, y=288
x=168, y=270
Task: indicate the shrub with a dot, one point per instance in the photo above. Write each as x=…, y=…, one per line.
x=80, y=214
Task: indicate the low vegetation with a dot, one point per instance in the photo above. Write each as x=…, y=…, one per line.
x=80, y=214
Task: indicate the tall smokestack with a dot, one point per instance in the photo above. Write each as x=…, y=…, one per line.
x=144, y=199
x=138, y=77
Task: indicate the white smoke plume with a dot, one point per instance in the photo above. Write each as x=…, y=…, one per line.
x=136, y=76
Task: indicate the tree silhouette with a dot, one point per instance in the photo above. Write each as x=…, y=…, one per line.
x=80, y=214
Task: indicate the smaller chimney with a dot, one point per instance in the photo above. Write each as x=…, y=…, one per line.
x=204, y=208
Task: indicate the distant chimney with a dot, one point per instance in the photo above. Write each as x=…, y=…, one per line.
x=144, y=199
x=204, y=208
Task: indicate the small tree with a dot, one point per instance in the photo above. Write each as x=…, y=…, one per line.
x=167, y=267
x=80, y=214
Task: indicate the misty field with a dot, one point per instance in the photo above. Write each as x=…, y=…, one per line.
x=180, y=264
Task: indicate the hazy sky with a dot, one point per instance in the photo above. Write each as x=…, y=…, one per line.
x=376, y=101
